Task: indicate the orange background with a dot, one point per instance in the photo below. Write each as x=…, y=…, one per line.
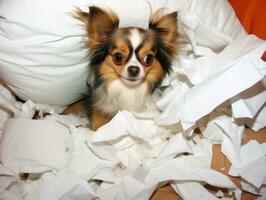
x=252, y=15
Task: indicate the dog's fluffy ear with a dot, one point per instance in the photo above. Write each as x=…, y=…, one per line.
x=99, y=24
x=165, y=30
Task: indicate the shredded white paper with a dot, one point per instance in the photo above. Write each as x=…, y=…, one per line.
x=217, y=85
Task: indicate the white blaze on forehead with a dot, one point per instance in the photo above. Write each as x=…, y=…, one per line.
x=136, y=38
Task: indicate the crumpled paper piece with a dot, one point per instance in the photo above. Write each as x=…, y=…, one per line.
x=20, y=154
x=252, y=164
x=133, y=154
x=248, y=103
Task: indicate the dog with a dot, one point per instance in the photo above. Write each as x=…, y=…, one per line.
x=126, y=65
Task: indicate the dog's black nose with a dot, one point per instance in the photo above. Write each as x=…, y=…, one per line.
x=133, y=71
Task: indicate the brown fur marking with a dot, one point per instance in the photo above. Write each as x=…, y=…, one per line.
x=98, y=119
x=77, y=108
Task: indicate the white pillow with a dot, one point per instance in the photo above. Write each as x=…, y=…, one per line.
x=41, y=55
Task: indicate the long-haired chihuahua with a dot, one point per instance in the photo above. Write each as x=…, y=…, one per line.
x=126, y=65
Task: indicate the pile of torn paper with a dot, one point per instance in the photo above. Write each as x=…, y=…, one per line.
x=216, y=87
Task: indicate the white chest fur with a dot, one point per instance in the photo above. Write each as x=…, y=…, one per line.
x=122, y=97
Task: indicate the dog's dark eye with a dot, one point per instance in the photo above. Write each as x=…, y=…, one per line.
x=148, y=59
x=118, y=58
